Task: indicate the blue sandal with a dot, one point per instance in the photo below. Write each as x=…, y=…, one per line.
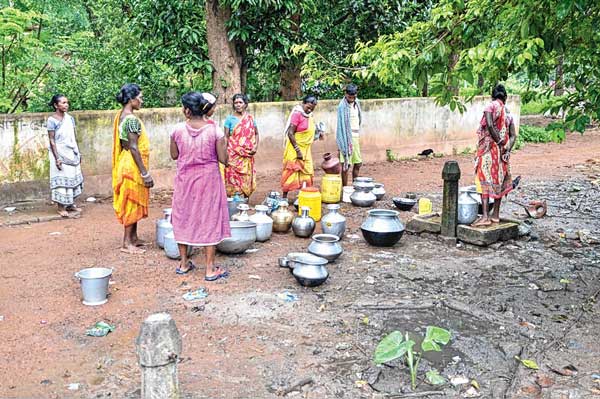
x=224, y=274
x=191, y=267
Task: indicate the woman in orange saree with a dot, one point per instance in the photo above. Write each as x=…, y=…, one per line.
x=496, y=137
x=131, y=180
x=242, y=133
x=298, y=169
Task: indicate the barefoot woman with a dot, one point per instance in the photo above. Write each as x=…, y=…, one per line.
x=130, y=177
x=492, y=170
x=66, y=180
x=200, y=217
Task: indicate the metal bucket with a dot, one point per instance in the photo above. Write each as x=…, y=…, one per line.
x=94, y=284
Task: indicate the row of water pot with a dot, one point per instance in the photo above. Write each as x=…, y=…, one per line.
x=246, y=228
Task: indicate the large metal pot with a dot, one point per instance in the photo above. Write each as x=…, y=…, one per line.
x=333, y=222
x=326, y=246
x=467, y=208
x=243, y=235
x=363, y=194
x=264, y=224
x=303, y=225
x=382, y=228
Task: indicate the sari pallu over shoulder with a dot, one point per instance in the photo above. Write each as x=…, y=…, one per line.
x=130, y=197
x=240, y=175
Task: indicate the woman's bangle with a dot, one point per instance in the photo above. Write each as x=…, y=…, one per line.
x=144, y=176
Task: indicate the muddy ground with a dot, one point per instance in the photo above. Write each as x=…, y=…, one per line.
x=534, y=297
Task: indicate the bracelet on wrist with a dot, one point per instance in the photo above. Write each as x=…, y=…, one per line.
x=144, y=176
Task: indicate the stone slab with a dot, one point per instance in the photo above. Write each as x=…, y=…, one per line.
x=484, y=236
x=430, y=223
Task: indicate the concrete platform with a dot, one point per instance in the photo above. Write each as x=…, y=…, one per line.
x=430, y=223
x=483, y=236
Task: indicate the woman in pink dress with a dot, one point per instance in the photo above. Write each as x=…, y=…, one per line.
x=200, y=217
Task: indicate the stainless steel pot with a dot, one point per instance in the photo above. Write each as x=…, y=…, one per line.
x=232, y=204
x=163, y=226
x=303, y=225
x=310, y=275
x=333, y=222
x=382, y=227
x=264, y=224
x=243, y=235
x=294, y=259
x=467, y=208
x=378, y=190
x=363, y=194
x=326, y=246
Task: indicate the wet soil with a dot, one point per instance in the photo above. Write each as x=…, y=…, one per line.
x=534, y=297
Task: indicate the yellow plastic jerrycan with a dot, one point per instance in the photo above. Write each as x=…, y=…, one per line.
x=310, y=197
x=331, y=189
x=425, y=206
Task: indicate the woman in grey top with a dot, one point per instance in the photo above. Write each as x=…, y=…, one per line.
x=66, y=180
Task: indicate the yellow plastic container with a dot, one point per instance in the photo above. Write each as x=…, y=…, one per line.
x=311, y=197
x=331, y=189
x=425, y=206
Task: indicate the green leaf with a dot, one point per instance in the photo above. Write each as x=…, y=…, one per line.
x=433, y=337
x=434, y=378
x=563, y=8
x=391, y=347
x=530, y=364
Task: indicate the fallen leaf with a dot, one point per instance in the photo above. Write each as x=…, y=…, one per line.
x=567, y=371
x=475, y=384
x=530, y=364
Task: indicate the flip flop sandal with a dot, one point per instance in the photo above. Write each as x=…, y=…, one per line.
x=225, y=274
x=190, y=265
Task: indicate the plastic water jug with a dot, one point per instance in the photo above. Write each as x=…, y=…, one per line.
x=311, y=197
x=331, y=189
x=425, y=206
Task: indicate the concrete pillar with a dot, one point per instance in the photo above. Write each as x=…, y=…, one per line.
x=158, y=348
x=451, y=176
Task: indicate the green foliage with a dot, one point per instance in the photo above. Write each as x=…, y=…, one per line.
x=396, y=345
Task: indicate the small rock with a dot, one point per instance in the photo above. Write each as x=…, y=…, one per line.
x=90, y=199
x=343, y=346
x=370, y=280
x=524, y=230
x=471, y=393
x=45, y=382
x=459, y=380
x=73, y=387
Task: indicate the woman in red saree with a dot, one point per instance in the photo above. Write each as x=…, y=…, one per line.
x=496, y=138
x=242, y=144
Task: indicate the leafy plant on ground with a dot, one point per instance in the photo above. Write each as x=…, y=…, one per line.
x=397, y=345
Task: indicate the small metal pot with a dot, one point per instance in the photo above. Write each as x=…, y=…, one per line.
x=310, y=275
x=378, y=190
x=333, y=222
x=404, y=204
x=294, y=259
x=326, y=246
x=363, y=194
x=303, y=225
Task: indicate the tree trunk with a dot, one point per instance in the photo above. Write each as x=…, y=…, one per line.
x=425, y=89
x=559, y=84
x=224, y=54
x=480, y=83
x=290, y=82
x=452, y=61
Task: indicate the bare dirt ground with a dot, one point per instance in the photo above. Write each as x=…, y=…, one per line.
x=534, y=297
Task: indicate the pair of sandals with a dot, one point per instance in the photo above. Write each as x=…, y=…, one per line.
x=191, y=266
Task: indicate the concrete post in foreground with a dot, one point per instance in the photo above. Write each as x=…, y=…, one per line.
x=158, y=348
x=451, y=176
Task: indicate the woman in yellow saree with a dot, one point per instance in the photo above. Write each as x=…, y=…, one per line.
x=298, y=167
x=131, y=180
